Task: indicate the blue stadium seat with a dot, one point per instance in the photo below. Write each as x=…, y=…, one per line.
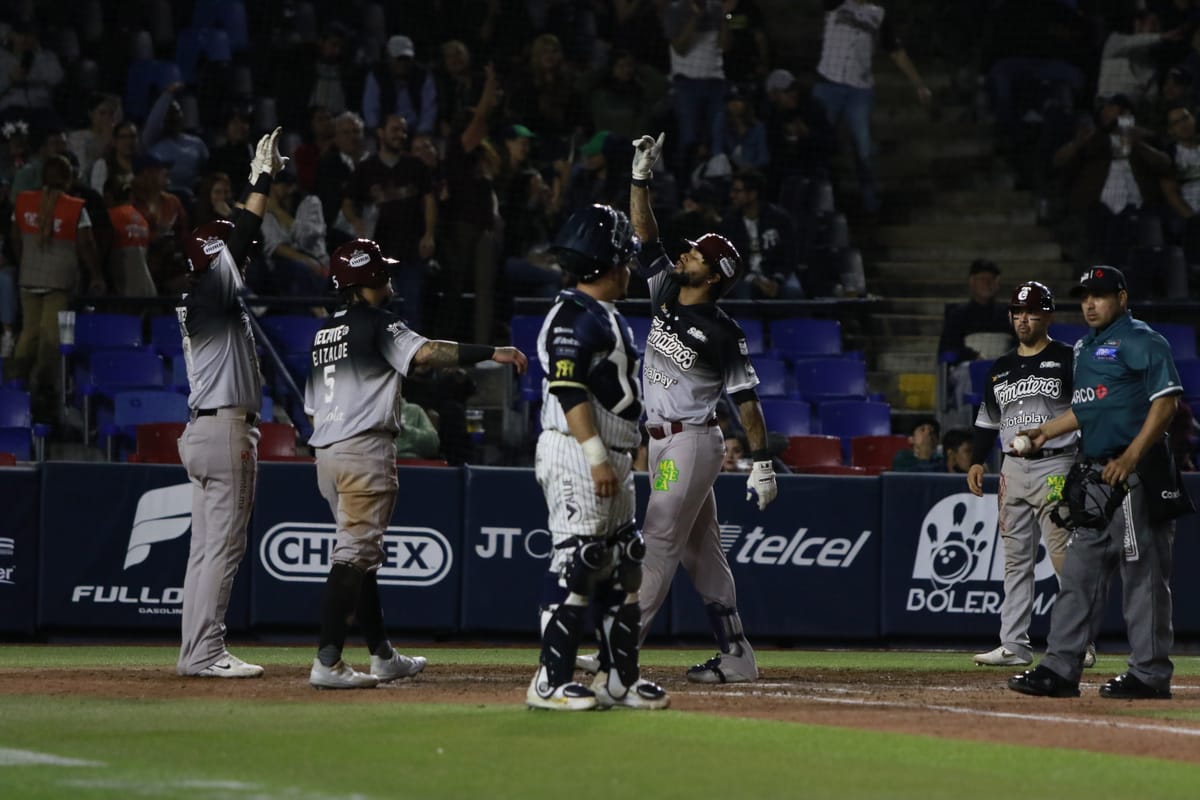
x=979, y=372
x=850, y=418
x=18, y=441
x=227, y=15
x=165, y=336
x=789, y=417
x=107, y=332
x=772, y=377
x=1069, y=332
x=292, y=334
x=753, y=330
x=14, y=409
x=819, y=379
x=111, y=371
x=1189, y=376
x=131, y=409
x=800, y=337
x=524, y=329
x=1181, y=337
x=641, y=331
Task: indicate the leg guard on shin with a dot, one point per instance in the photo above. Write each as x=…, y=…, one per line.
x=631, y=551
x=560, y=641
x=587, y=564
x=620, y=630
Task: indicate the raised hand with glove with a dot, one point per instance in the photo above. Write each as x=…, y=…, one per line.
x=761, y=484
x=646, y=151
x=267, y=160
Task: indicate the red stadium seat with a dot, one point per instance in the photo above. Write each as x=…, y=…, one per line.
x=876, y=452
x=278, y=442
x=8, y=460
x=832, y=469
x=812, y=451
x=422, y=462
x=157, y=443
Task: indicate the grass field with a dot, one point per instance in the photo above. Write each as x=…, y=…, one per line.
x=101, y=747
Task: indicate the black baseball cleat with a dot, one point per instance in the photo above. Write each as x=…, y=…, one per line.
x=1129, y=687
x=1043, y=682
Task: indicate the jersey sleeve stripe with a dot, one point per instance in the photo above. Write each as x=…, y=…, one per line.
x=555, y=384
x=739, y=387
x=1167, y=391
x=990, y=426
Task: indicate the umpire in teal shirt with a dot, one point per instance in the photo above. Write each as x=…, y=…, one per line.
x=1124, y=397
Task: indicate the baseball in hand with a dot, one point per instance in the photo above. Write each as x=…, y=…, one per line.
x=1021, y=444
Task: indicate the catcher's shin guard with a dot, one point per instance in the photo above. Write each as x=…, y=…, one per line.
x=587, y=565
x=560, y=641
x=631, y=551
x=619, y=633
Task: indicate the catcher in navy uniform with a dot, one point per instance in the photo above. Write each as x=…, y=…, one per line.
x=353, y=397
x=695, y=352
x=591, y=405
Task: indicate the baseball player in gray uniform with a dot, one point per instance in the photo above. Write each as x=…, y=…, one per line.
x=219, y=448
x=591, y=405
x=353, y=396
x=694, y=353
x=1026, y=387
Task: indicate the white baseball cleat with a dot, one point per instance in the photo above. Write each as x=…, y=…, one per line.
x=398, y=666
x=230, y=666
x=726, y=668
x=589, y=663
x=340, y=676
x=642, y=694
x=1002, y=657
x=568, y=697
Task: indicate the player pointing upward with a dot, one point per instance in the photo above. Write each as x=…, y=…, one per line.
x=694, y=353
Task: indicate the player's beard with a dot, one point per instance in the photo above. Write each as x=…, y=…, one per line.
x=683, y=279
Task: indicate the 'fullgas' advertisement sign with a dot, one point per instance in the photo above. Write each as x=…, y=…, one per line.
x=115, y=547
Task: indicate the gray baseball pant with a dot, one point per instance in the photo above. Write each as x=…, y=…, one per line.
x=1029, y=490
x=681, y=520
x=221, y=456
x=357, y=477
x=1142, y=552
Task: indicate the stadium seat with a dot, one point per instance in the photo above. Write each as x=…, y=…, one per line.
x=131, y=409
x=850, y=418
x=15, y=409
x=833, y=469
x=1180, y=336
x=801, y=337
x=753, y=330
x=292, y=333
x=18, y=441
x=641, y=331
x=789, y=417
x=111, y=371
x=820, y=379
x=226, y=15
x=278, y=442
x=875, y=453
x=106, y=332
x=158, y=443
x=812, y=451
x=524, y=329
x=165, y=336
x=978, y=370
x=7, y=460
x=422, y=462
x=772, y=377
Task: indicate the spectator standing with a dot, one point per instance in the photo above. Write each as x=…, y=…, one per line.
x=399, y=186
x=699, y=34
x=626, y=95
x=845, y=86
x=766, y=237
x=923, y=454
x=799, y=137
x=51, y=238
x=739, y=134
x=1181, y=185
x=458, y=84
x=230, y=158
x=168, y=222
x=91, y=143
x=117, y=161
x=336, y=166
x=318, y=140
x=399, y=85
x=165, y=139
x=47, y=141
x=127, y=265
x=748, y=56
x=543, y=96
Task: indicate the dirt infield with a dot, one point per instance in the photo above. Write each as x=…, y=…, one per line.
x=973, y=705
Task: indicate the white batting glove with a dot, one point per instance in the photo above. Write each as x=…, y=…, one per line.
x=646, y=152
x=267, y=160
x=761, y=484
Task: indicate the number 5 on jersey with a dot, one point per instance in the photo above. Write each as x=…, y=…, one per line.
x=329, y=379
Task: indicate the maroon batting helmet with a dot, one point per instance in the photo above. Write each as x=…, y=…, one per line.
x=722, y=258
x=1031, y=296
x=206, y=243
x=359, y=263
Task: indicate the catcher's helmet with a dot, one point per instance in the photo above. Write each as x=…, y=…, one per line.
x=359, y=262
x=206, y=243
x=593, y=241
x=722, y=258
x=1031, y=296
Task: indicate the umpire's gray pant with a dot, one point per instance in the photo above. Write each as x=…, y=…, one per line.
x=1142, y=551
x=221, y=456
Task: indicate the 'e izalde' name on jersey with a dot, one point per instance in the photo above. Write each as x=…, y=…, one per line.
x=353, y=384
x=218, y=343
x=586, y=344
x=694, y=353
x=1022, y=392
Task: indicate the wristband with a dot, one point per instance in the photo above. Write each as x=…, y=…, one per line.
x=642, y=182
x=760, y=455
x=469, y=354
x=595, y=451
x=262, y=185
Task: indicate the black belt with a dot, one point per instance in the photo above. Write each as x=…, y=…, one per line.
x=675, y=426
x=251, y=417
x=1046, y=453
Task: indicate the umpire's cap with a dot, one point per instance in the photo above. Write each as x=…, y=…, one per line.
x=593, y=241
x=206, y=243
x=722, y=258
x=1031, y=296
x=1100, y=280
x=359, y=262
